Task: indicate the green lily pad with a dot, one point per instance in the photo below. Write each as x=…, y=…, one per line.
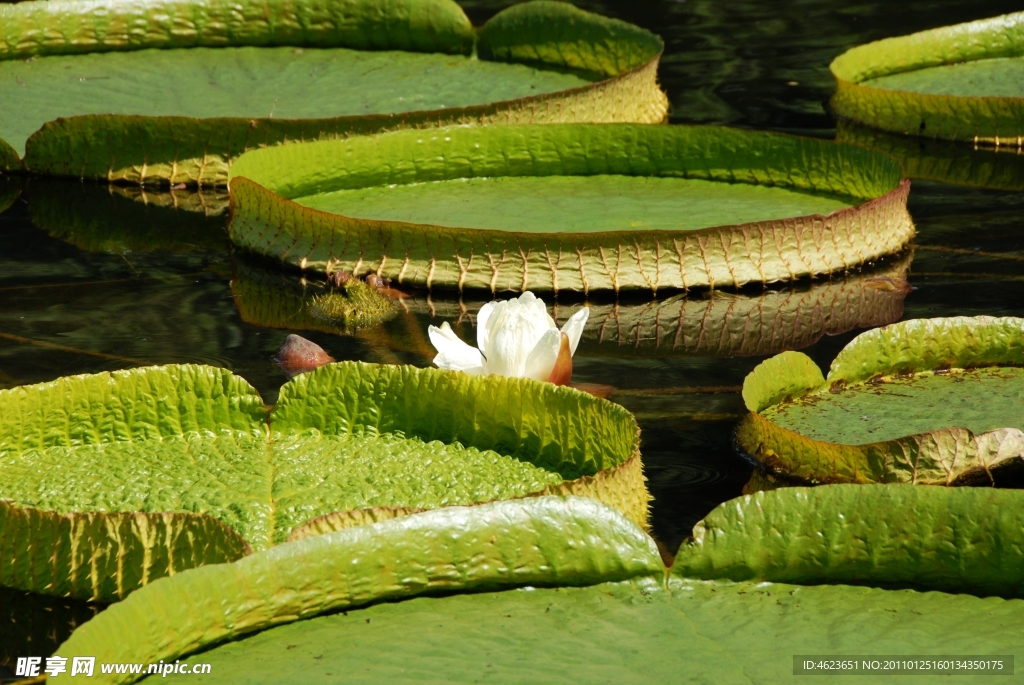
x=573, y=204
x=545, y=540
x=573, y=207
x=941, y=160
x=960, y=540
x=628, y=632
x=631, y=621
x=929, y=401
x=1000, y=77
x=98, y=217
x=959, y=82
x=721, y=324
x=119, y=478
x=167, y=91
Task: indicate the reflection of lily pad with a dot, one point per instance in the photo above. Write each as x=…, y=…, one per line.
x=649, y=625
x=271, y=299
x=167, y=90
x=960, y=82
x=719, y=324
x=929, y=401
x=10, y=189
x=35, y=624
x=9, y=159
x=941, y=160
x=99, y=217
x=571, y=207
x=110, y=481
x=726, y=324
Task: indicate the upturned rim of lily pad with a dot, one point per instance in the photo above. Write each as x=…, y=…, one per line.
x=265, y=219
x=949, y=539
x=537, y=542
x=985, y=121
x=878, y=536
x=106, y=555
x=171, y=149
x=946, y=456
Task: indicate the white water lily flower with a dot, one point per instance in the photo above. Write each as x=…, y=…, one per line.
x=514, y=338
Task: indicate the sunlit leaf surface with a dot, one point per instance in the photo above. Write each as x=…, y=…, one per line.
x=122, y=478
x=170, y=91
x=532, y=207
x=960, y=82
x=933, y=401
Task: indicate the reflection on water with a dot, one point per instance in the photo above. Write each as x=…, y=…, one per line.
x=97, y=217
x=755, y=321
x=33, y=625
x=941, y=160
x=93, y=279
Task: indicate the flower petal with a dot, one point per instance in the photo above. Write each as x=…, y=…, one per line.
x=561, y=373
x=536, y=308
x=542, y=357
x=574, y=327
x=453, y=353
x=482, y=330
x=514, y=329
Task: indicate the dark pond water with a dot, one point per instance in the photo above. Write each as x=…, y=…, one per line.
x=69, y=304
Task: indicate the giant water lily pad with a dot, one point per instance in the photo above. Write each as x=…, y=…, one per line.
x=962, y=540
x=167, y=90
x=630, y=621
x=110, y=481
x=636, y=631
x=718, y=324
x=573, y=207
x=928, y=401
x=961, y=82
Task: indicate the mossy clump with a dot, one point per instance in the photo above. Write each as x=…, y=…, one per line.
x=351, y=304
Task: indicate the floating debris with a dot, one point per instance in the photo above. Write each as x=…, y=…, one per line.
x=298, y=355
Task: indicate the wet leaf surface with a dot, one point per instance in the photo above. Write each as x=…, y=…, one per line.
x=954, y=82
x=713, y=176
x=979, y=400
x=982, y=78
x=615, y=633
x=251, y=82
x=578, y=204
